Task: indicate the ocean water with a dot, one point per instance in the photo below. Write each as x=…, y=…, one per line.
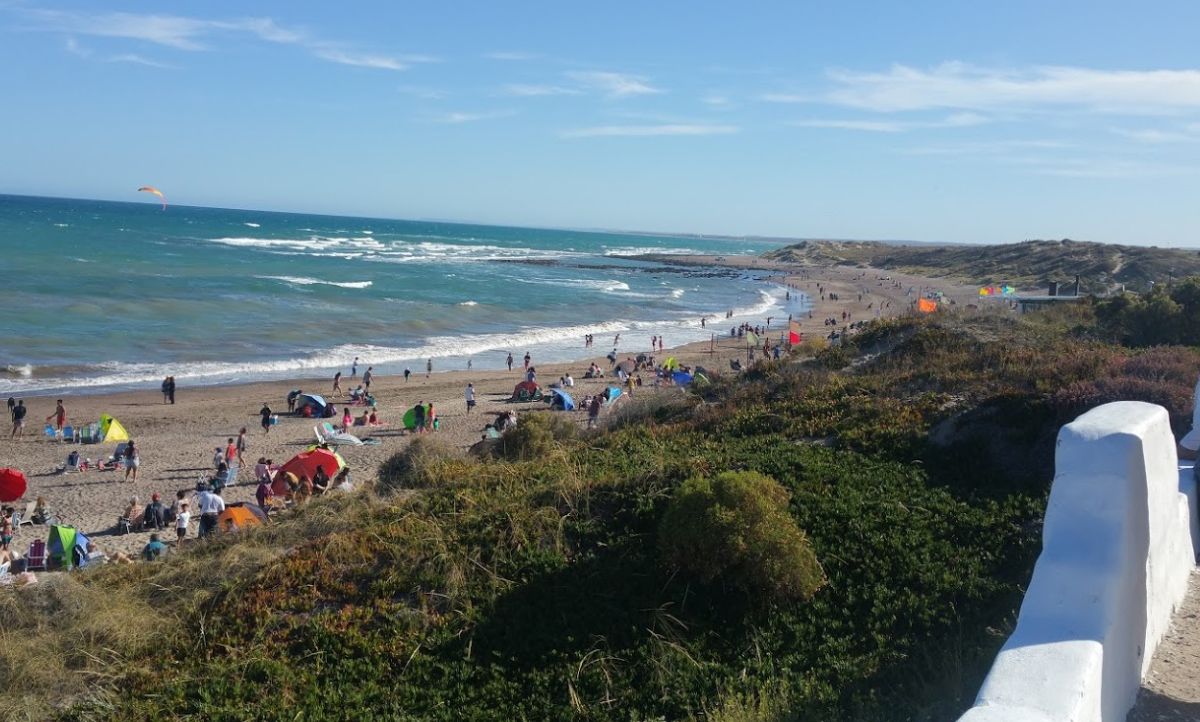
x=103, y=295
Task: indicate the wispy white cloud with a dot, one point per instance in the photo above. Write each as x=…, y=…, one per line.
x=1186, y=134
x=75, y=48
x=181, y=33
x=990, y=147
x=1102, y=168
x=196, y=34
x=138, y=60
x=460, y=117
x=521, y=90
x=956, y=120
x=649, y=130
x=512, y=55
x=716, y=100
x=361, y=60
x=958, y=85
x=614, y=85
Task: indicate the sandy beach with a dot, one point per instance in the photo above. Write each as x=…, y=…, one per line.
x=177, y=441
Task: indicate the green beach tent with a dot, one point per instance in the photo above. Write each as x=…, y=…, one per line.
x=61, y=543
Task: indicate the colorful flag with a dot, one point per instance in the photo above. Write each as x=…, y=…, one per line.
x=925, y=305
x=794, y=334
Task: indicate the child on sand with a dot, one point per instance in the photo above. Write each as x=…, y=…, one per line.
x=181, y=521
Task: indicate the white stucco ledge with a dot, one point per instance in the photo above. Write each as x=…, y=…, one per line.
x=1117, y=548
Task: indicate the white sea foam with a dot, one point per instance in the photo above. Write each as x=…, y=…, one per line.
x=547, y=343
x=81, y=260
x=253, y=225
x=608, y=286
x=62, y=225
x=677, y=293
x=24, y=370
x=302, y=281
x=644, y=250
x=469, y=303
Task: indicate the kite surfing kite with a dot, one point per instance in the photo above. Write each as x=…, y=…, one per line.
x=157, y=192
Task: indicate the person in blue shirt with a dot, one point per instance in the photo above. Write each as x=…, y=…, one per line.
x=154, y=549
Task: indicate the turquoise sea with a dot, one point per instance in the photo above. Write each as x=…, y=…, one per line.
x=102, y=295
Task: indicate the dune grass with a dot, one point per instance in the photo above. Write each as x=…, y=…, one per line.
x=536, y=585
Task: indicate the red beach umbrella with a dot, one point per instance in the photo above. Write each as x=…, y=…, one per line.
x=12, y=484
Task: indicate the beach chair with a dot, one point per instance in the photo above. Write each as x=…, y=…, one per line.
x=36, y=559
x=68, y=434
x=89, y=434
x=52, y=433
x=25, y=517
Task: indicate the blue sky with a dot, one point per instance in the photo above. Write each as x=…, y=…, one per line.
x=941, y=121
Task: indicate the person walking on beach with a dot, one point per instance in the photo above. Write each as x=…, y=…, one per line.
x=59, y=416
x=428, y=367
x=12, y=404
x=354, y=368
x=470, y=397
x=166, y=379
x=265, y=413
x=18, y=416
x=241, y=446
x=171, y=389
x=407, y=373
x=132, y=461
x=593, y=411
x=510, y=360
x=230, y=452
x=337, y=383
x=528, y=358
x=367, y=376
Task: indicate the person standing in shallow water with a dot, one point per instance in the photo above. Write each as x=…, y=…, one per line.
x=428, y=367
x=510, y=361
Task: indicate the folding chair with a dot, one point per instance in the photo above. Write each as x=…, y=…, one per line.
x=25, y=517
x=51, y=432
x=68, y=434
x=36, y=559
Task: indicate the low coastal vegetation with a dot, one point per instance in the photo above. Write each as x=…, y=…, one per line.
x=1102, y=267
x=841, y=534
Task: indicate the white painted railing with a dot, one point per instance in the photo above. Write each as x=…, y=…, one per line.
x=1117, y=548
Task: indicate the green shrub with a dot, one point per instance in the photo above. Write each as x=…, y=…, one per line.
x=536, y=435
x=735, y=528
x=426, y=461
x=833, y=357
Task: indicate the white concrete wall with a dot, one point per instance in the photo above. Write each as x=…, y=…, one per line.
x=1117, y=548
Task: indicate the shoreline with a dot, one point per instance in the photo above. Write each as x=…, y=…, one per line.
x=558, y=345
x=177, y=441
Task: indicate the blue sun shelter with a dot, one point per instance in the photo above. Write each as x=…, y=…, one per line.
x=561, y=400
